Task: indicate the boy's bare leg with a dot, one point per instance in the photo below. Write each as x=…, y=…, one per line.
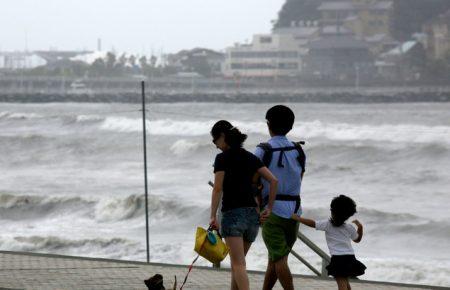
x=271, y=276
x=284, y=273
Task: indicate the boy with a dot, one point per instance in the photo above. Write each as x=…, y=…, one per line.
x=286, y=160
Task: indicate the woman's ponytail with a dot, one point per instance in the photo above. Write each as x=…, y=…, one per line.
x=233, y=137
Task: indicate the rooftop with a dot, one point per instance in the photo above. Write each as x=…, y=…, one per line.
x=401, y=49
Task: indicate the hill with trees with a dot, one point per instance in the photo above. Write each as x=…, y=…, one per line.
x=409, y=15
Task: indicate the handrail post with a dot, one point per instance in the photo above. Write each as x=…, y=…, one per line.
x=324, y=272
x=325, y=258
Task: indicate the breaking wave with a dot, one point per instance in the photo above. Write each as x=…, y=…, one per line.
x=405, y=133
x=19, y=116
x=26, y=207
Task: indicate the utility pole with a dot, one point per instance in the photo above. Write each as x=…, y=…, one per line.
x=144, y=132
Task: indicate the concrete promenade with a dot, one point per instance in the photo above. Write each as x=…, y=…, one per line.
x=42, y=271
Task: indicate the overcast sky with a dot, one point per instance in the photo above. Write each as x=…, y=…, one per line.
x=135, y=26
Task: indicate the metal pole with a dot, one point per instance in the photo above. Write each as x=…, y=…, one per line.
x=144, y=132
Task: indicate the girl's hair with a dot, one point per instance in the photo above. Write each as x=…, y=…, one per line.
x=233, y=137
x=342, y=207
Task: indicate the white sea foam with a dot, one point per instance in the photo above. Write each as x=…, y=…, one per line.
x=18, y=115
x=88, y=118
x=183, y=146
x=110, y=247
x=403, y=133
x=423, y=271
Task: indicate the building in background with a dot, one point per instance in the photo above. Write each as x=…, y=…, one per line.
x=438, y=36
x=404, y=62
x=339, y=57
x=364, y=18
x=276, y=55
x=20, y=60
x=268, y=56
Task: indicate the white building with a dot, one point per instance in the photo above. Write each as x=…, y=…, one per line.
x=270, y=55
x=20, y=60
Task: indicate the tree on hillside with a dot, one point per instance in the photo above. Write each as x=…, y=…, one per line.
x=98, y=67
x=143, y=62
x=153, y=60
x=296, y=10
x=132, y=60
x=110, y=61
x=410, y=15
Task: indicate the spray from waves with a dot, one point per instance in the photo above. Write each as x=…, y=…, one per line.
x=24, y=207
x=402, y=133
x=182, y=147
x=89, y=118
x=426, y=271
x=19, y=116
x=405, y=133
x=370, y=214
x=109, y=209
x=402, y=224
x=133, y=206
x=110, y=247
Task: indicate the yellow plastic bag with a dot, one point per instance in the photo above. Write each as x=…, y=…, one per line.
x=210, y=246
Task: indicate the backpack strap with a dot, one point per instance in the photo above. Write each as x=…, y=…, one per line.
x=267, y=157
x=301, y=154
x=268, y=152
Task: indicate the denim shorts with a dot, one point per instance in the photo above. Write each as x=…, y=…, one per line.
x=240, y=222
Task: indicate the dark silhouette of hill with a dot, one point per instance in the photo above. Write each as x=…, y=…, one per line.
x=409, y=15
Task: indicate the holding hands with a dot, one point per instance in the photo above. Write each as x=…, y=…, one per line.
x=264, y=215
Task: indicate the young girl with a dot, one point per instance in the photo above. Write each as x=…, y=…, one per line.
x=234, y=169
x=339, y=235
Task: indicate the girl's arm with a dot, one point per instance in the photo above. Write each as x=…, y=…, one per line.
x=359, y=231
x=215, y=197
x=267, y=175
x=307, y=222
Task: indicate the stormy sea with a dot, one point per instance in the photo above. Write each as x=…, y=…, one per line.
x=72, y=180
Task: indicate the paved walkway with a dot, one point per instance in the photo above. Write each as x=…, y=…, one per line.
x=39, y=271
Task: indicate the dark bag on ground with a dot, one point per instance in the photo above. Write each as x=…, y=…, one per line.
x=156, y=283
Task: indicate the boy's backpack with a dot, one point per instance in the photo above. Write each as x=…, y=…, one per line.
x=267, y=159
x=268, y=152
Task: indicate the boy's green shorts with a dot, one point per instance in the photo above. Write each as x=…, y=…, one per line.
x=279, y=235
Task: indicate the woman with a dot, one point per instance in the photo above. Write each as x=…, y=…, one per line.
x=234, y=169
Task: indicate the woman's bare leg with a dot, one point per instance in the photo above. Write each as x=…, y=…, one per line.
x=239, y=276
x=233, y=282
